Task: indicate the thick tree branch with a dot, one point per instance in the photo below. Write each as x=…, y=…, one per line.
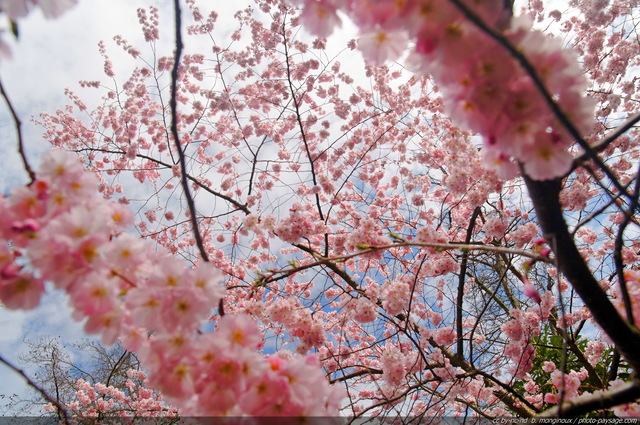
x=627, y=393
x=617, y=252
x=545, y=197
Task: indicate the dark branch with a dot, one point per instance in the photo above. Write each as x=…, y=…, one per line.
x=545, y=197
x=461, y=281
x=619, y=131
x=296, y=105
x=18, y=125
x=627, y=393
x=173, y=102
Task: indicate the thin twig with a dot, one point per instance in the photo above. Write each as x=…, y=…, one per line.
x=18, y=125
x=619, y=131
x=303, y=133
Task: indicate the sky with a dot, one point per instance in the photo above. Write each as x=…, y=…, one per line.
x=50, y=56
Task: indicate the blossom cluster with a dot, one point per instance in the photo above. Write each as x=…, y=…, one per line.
x=367, y=234
x=99, y=400
x=363, y=310
x=494, y=227
x=520, y=330
x=396, y=295
x=298, y=225
x=394, y=366
x=299, y=323
x=484, y=88
x=59, y=229
x=569, y=382
x=632, y=280
x=427, y=234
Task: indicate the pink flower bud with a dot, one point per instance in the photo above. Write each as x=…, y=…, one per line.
x=26, y=226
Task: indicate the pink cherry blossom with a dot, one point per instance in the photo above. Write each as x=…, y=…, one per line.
x=380, y=46
x=320, y=17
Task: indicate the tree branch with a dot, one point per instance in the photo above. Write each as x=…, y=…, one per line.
x=173, y=102
x=545, y=197
x=461, y=281
x=332, y=261
x=504, y=393
x=619, y=131
x=296, y=105
x=627, y=393
x=18, y=124
x=617, y=252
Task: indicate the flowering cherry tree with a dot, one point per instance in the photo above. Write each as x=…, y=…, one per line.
x=90, y=380
x=318, y=235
